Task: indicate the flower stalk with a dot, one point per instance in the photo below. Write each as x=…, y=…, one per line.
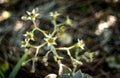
x=50, y=40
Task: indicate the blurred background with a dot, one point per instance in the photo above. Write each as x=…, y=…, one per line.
x=97, y=22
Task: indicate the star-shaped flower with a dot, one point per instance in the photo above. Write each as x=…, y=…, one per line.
x=81, y=44
x=29, y=36
x=25, y=43
x=50, y=40
x=54, y=14
x=32, y=15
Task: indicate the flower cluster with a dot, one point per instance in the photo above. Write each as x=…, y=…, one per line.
x=49, y=39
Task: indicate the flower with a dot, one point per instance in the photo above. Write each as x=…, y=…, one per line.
x=29, y=36
x=59, y=34
x=80, y=44
x=54, y=14
x=62, y=28
x=25, y=43
x=50, y=40
x=24, y=18
x=32, y=15
x=68, y=21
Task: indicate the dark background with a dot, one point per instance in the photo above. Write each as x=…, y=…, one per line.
x=97, y=22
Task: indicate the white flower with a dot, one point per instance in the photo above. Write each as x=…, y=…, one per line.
x=25, y=43
x=81, y=44
x=50, y=40
x=32, y=15
x=54, y=14
x=29, y=36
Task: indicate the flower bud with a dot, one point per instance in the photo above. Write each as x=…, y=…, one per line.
x=68, y=21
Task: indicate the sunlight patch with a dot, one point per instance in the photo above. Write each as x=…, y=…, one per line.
x=111, y=21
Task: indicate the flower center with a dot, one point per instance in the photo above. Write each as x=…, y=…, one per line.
x=24, y=43
x=62, y=28
x=59, y=34
x=29, y=36
x=51, y=40
x=32, y=15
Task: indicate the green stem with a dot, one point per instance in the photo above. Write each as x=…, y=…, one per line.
x=33, y=59
x=41, y=45
x=27, y=61
x=36, y=28
x=68, y=52
x=55, y=55
x=36, y=53
x=65, y=48
x=54, y=24
x=17, y=66
x=33, y=66
x=60, y=24
x=62, y=48
x=34, y=24
x=42, y=31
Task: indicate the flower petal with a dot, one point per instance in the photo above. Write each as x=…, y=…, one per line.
x=28, y=12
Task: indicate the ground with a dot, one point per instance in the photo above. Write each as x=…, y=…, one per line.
x=96, y=22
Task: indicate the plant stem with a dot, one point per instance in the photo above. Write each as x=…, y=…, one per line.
x=36, y=28
x=54, y=23
x=17, y=66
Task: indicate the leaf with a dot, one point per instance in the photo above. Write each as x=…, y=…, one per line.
x=113, y=61
x=65, y=76
x=87, y=76
x=18, y=65
x=78, y=74
x=1, y=74
x=4, y=66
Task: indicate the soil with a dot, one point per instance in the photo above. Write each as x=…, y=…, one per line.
x=95, y=21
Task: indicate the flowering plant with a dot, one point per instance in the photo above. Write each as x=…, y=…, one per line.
x=50, y=41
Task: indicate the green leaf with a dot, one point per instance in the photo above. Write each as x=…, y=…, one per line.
x=78, y=74
x=18, y=65
x=4, y=66
x=113, y=61
x=1, y=75
x=65, y=76
x=87, y=76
